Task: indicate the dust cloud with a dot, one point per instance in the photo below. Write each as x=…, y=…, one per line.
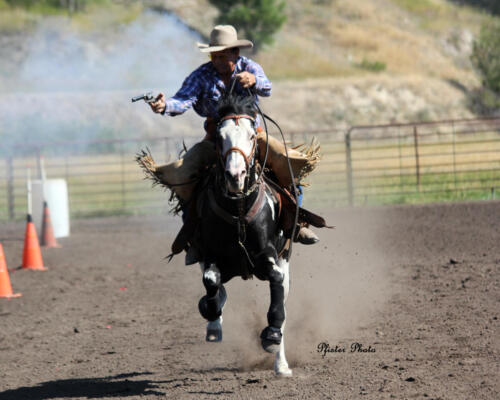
x=337, y=287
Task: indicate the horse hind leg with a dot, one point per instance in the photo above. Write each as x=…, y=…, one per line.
x=211, y=305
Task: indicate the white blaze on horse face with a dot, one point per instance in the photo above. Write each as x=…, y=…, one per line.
x=237, y=136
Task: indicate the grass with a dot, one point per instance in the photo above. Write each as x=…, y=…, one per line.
x=17, y=20
x=296, y=63
x=345, y=38
x=384, y=171
x=98, y=15
x=422, y=7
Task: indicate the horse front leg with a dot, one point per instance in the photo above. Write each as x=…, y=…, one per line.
x=280, y=363
x=212, y=303
x=272, y=336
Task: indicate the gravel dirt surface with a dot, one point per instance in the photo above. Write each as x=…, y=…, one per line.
x=417, y=286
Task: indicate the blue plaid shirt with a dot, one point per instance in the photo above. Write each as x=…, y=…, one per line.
x=204, y=87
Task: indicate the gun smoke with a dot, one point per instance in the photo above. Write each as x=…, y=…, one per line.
x=58, y=84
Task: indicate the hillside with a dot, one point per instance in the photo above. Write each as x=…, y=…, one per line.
x=324, y=60
x=335, y=63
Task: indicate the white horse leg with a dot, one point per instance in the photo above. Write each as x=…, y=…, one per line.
x=280, y=363
x=214, y=330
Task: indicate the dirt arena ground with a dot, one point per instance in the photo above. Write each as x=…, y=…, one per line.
x=417, y=286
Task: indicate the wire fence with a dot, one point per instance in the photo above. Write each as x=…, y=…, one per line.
x=378, y=164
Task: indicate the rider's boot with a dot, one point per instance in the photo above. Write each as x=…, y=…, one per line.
x=306, y=236
x=302, y=163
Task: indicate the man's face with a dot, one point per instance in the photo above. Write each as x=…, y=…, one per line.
x=225, y=60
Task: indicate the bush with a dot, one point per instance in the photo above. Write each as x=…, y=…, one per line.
x=485, y=102
x=486, y=56
x=374, y=66
x=486, y=59
x=257, y=20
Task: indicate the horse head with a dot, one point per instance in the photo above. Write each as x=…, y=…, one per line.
x=236, y=141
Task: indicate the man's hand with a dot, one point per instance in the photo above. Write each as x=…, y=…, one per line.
x=158, y=105
x=246, y=79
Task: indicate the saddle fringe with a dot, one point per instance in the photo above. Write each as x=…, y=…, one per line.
x=312, y=153
x=149, y=167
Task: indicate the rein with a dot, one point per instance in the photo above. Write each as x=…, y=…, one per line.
x=264, y=117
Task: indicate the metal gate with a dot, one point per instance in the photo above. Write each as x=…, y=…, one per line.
x=378, y=164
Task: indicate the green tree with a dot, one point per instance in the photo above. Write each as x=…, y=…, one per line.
x=492, y=6
x=486, y=58
x=486, y=55
x=257, y=20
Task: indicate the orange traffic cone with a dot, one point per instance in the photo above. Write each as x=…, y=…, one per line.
x=5, y=286
x=48, y=238
x=32, y=255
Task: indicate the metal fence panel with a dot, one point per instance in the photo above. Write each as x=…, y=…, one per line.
x=396, y=163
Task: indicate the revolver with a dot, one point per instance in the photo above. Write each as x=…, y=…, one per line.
x=147, y=97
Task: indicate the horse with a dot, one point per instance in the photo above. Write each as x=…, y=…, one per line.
x=239, y=231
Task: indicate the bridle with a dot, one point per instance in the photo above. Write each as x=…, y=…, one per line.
x=223, y=158
x=248, y=158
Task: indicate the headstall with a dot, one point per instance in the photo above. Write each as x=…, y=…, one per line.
x=224, y=156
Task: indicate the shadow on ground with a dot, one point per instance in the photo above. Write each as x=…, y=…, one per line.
x=91, y=388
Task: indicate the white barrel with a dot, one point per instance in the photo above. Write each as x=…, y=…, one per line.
x=56, y=196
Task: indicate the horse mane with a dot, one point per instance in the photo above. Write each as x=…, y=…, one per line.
x=236, y=104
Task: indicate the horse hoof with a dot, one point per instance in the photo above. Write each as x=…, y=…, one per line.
x=283, y=372
x=271, y=339
x=214, y=331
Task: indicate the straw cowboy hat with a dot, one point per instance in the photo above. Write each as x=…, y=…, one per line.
x=223, y=37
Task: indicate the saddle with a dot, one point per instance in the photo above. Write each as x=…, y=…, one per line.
x=287, y=210
x=287, y=200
